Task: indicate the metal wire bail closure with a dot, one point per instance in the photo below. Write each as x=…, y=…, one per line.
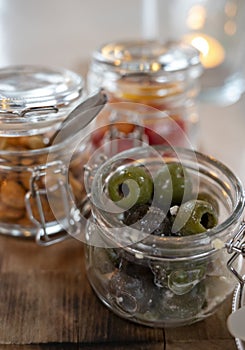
x=34, y=199
x=237, y=246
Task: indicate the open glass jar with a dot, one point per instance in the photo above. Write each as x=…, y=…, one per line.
x=33, y=102
x=151, y=88
x=162, y=280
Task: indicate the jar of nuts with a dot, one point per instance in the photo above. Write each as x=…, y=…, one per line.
x=152, y=88
x=34, y=101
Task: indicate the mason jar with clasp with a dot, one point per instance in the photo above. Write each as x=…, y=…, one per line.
x=152, y=88
x=34, y=101
x=143, y=270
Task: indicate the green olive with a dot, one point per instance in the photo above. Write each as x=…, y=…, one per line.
x=195, y=216
x=172, y=183
x=204, y=196
x=183, y=281
x=130, y=186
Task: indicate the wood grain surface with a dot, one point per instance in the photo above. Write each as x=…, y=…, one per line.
x=46, y=302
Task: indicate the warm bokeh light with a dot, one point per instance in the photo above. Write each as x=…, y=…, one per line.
x=155, y=66
x=230, y=28
x=212, y=53
x=230, y=9
x=196, y=17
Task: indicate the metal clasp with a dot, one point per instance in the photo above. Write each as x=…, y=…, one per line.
x=237, y=246
x=25, y=111
x=39, y=109
x=54, y=232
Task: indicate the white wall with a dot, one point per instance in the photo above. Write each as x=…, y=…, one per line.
x=63, y=32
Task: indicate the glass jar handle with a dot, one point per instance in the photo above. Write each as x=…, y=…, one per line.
x=36, y=193
x=234, y=321
x=237, y=246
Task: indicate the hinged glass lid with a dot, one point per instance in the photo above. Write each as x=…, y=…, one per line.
x=31, y=94
x=148, y=57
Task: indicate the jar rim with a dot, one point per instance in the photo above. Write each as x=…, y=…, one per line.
x=149, y=57
x=201, y=243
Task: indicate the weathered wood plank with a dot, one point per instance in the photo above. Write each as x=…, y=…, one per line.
x=46, y=302
x=219, y=344
x=45, y=297
x=69, y=346
x=214, y=327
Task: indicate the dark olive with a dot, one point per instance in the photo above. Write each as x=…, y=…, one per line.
x=195, y=216
x=134, y=214
x=129, y=186
x=172, y=184
x=181, y=307
x=148, y=219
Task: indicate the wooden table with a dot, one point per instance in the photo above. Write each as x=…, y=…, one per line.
x=47, y=303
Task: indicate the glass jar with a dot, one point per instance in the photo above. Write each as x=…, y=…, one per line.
x=152, y=89
x=34, y=101
x=162, y=281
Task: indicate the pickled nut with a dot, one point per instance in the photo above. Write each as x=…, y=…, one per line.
x=24, y=179
x=32, y=142
x=13, y=194
x=9, y=213
x=14, y=185
x=24, y=221
x=48, y=214
x=41, y=159
x=13, y=176
x=13, y=141
x=26, y=161
x=2, y=177
x=9, y=159
x=13, y=148
x=23, y=143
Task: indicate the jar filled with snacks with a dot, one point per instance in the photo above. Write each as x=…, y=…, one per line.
x=163, y=223
x=34, y=101
x=152, y=89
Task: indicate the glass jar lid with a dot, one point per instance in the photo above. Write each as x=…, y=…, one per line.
x=36, y=96
x=149, y=57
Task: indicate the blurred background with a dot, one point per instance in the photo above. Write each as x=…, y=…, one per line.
x=65, y=33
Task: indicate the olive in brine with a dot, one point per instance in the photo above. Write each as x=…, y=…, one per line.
x=204, y=196
x=172, y=182
x=195, y=216
x=130, y=186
